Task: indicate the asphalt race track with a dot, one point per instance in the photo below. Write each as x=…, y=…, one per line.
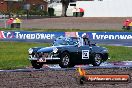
x=106, y=23
x=105, y=65
x=126, y=43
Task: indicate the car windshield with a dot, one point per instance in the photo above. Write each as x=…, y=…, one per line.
x=65, y=41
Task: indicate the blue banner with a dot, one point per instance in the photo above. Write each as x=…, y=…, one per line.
x=110, y=35
x=50, y=36
x=29, y=36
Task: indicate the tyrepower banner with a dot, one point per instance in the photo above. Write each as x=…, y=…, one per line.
x=105, y=35
x=110, y=35
x=26, y=36
x=29, y=36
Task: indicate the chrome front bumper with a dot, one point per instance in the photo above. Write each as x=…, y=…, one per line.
x=43, y=59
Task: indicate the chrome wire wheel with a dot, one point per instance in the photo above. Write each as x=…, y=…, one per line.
x=98, y=59
x=66, y=60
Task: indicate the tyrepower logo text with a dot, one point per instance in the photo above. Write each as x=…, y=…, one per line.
x=111, y=36
x=99, y=78
x=33, y=35
x=25, y=35
x=4, y=34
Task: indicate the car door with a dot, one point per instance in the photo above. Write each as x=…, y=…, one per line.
x=84, y=53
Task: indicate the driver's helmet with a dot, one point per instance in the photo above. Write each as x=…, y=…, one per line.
x=86, y=40
x=84, y=35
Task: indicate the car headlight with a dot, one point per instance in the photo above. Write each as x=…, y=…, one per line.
x=105, y=50
x=55, y=50
x=30, y=51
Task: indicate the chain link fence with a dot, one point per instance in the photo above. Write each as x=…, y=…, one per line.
x=3, y=21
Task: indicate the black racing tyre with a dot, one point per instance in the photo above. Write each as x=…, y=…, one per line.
x=65, y=61
x=36, y=65
x=97, y=60
x=82, y=80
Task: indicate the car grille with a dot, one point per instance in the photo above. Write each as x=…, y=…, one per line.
x=43, y=55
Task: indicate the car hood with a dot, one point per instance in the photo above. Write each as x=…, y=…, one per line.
x=46, y=49
x=49, y=49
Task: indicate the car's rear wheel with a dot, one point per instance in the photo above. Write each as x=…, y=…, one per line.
x=65, y=61
x=97, y=60
x=36, y=65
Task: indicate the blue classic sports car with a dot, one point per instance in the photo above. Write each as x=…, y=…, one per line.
x=68, y=52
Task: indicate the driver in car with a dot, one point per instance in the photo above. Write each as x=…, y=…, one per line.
x=86, y=40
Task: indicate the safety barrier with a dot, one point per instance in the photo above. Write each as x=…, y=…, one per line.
x=50, y=36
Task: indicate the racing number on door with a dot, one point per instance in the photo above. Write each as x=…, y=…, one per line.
x=85, y=54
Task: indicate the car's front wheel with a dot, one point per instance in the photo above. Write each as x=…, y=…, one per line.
x=36, y=65
x=65, y=61
x=97, y=60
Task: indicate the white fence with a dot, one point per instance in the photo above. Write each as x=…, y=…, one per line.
x=106, y=8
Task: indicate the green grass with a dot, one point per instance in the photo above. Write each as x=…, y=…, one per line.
x=14, y=54
x=119, y=53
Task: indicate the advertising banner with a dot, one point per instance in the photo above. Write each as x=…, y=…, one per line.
x=48, y=37
x=29, y=36
x=110, y=35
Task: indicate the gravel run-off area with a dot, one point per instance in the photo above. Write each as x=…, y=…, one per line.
x=58, y=79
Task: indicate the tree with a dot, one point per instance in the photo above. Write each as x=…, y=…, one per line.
x=65, y=4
